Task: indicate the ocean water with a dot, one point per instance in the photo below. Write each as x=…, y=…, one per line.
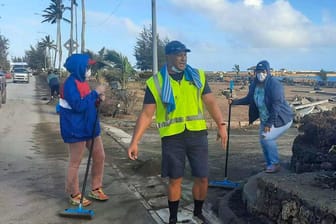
x=316, y=78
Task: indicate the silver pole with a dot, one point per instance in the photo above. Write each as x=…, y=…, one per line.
x=154, y=34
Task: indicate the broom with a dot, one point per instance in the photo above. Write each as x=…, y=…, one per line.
x=226, y=183
x=80, y=212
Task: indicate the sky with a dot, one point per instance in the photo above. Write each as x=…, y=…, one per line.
x=290, y=34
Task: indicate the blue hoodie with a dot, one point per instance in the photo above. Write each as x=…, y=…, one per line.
x=77, y=118
x=280, y=112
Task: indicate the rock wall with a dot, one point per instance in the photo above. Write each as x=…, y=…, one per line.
x=287, y=198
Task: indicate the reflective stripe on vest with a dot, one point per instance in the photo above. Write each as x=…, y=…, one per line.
x=168, y=121
x=179, y=120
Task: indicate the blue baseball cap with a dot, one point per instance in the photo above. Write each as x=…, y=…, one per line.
x=175, y=47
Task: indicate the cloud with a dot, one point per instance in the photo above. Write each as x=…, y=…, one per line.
x=112, y=23
x=201, y=5
x=251, y=23
x=253, y=3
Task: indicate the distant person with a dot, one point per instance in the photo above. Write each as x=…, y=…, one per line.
x=250, y=78
x=266, y=100
x=176, y=95
x=78, y=114
x=54, y=84
x=116, y=110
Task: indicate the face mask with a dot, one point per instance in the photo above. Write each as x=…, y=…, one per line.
x=261, y=76
x=88, y=73
x=176, y=70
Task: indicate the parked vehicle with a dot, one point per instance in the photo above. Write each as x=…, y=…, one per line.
x=16, y=65
x=3, y=89
x=8, y=75
x=20, y=75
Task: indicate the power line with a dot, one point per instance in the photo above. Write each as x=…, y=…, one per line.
x=109, y=16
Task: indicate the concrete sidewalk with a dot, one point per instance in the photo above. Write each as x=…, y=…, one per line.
x=154, y=197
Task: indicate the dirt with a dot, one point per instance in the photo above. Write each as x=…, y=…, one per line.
x=239, y=113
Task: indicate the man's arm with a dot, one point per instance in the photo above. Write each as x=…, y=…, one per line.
x=213, y=108
x=143, y=122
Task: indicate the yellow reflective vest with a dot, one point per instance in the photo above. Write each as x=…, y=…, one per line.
x=189, y=106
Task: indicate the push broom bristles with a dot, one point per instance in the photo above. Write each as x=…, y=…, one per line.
x=223, y=183
x=79, y=213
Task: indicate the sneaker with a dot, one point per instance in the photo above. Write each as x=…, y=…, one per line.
x=274, y=168
x=98, y=194
x=200, y=219
x=76, y=200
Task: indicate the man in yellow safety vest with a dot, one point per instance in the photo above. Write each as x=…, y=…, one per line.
x=176, y=95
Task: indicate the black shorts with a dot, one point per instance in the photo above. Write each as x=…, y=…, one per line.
x=176, y=148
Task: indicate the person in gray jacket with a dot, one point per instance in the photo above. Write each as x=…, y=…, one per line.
x=266, y=100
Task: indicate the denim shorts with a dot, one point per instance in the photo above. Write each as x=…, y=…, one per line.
x=175, y=150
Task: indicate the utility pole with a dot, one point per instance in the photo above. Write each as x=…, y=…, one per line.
x=154, y=36
x=83, y=27
x=71, y=28
x=76, y=30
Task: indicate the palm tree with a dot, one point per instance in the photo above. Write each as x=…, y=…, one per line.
x=83, y=28
x=236, y=69
x=54, y=14
x=48, y=44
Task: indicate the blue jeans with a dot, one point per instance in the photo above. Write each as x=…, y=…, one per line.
x=268, y=142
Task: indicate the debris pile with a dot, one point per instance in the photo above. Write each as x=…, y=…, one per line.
x=314, y=149
x=303, y=106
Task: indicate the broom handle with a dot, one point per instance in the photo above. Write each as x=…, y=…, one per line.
x=89, y=157
x=228, y=131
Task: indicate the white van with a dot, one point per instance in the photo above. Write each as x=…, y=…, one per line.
x=20, y=75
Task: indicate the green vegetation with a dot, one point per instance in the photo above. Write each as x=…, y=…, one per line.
x=35, y=57
x=4, y=45
x=143, y=50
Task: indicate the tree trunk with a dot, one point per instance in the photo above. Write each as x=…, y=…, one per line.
x=59, y=38
x=83, y=27
x=55, y=56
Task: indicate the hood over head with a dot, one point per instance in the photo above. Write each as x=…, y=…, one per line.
x=263, y=66
x=77, y=64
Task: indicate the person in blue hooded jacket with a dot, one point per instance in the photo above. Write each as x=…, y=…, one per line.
x=266, y=100
x=78, y=114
